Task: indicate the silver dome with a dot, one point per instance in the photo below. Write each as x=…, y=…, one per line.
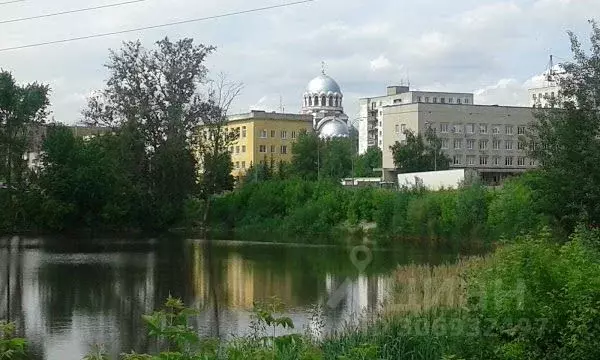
x=323, y=84
x=333, y=128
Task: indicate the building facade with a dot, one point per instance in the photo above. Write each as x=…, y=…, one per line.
x=487, y=138
x=370, y=126
x=264, y=138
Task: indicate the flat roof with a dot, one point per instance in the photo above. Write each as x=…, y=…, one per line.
x=460, y=105
x=263, y=115
x=419, y=91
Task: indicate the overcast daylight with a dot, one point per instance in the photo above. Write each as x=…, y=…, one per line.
x=491, y=48
x=300, y=179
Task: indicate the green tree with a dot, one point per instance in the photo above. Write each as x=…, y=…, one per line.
x=153, y=98
x=566, y=141
x=314, y=158
x=22, y=110
x=420, y=153
x=305, y=156
x=365, y=163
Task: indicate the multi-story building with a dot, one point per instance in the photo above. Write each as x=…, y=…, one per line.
x=544, y=96
x=487, y=138
x=370, y=126
x=265, y=137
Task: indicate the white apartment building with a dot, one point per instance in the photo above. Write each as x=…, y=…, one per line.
x=370, y=126
x=487, y=138
x=544, y=96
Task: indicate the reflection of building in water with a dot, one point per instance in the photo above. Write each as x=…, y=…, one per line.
x=240, y=282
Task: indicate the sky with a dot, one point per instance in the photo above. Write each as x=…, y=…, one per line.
x=495, y=49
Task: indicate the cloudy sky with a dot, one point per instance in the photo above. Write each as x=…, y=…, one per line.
x=491, y=48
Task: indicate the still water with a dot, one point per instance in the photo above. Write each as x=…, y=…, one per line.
x=65, y=296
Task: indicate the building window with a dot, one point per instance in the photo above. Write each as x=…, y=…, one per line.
x=508, y=161
x=531, y=162
x=237, y=149
x=483, y=160
x=521, y=161
x=373, y=105
x=243, y=148
x=521, y=130
x=397, y=101
x=272, y=148
x=483, y=128
x=402, y=128
x=470, y=159
x=457, y=159
x=450, y=100
x=534, y=96
x=284, y=134
x=283, y=149
x=331, y=101
x=444, y=143
x=443, y=100
x=509, y=130
x=243, y=131
x=293, y=134
x=263, y=134
x=457, y=143
x=496, y=144
x=309, y=101
x=419, y=99
x=444, y=128
x=397, y=129
x=483, y=144
x=470, y=128
x=426, y=99
x=496, y=129
x=496, y=160
x=231, y=149
x=243, y=164
x=458, y=101
x=466, y=100
x=435, y=100
x=272, y=133
x=262, y=148
x=520, y=145
x=508, y=145
x=237, y=164
x=470, y=144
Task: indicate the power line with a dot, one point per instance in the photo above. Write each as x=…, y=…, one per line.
x=155, y=26
x=69, y=11
x=11, y=2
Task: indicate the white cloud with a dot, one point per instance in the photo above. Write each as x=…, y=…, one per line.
x=380, y=63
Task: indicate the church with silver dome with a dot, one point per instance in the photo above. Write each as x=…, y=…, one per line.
x=323, y=99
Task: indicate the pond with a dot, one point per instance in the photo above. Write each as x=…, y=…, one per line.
x=67, y=295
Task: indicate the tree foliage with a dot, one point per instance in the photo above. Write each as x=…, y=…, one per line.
x=365, y=163
x=314, y=158
x=419, y=153
x=566, y=141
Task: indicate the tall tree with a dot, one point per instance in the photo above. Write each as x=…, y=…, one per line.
x=566, y=141
x=315, y=158
x=365, y=163
x=22, y=110
x=306, y=156
x=153, y=99
x=420, y=153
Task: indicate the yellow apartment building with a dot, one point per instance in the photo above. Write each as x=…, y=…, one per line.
x=264, y=136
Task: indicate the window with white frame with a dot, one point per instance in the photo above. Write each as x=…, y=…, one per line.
x=243, y=131
x=483, y=144
x=237, y=149
x=443, y=100
x=520, y=145
x=483, y=160
x=470, y=144
x=531, y=162
x=470, y=159
x=402, y=128
x=457, y=143
x=470, y=128
x=445, y=143
x=435, y=100
x=397, y=127
x=483, y=128
x=521, y=130
x=427, y=99
x=496, y=144
x=262, y=148
x=284, y=134
x=521, y=161
x=496, y=129
x=466, y=100
x=508, y=145
x=508, y=161
x=444, y=128
x=457, y=159
x=284, y=149
x=243, y=164
x=272, y=148
x=272, y=133
x=293, y=134
x=450, y=100
x=263, y=134
x=458, y=101
x=508, y=129
x=243, y=148
x=496, y=160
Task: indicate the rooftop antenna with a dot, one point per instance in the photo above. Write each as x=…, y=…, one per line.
x=408, y=76
x=281, y=109
x=550, y=76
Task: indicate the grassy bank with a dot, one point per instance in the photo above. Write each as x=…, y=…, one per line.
x=303, y=211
